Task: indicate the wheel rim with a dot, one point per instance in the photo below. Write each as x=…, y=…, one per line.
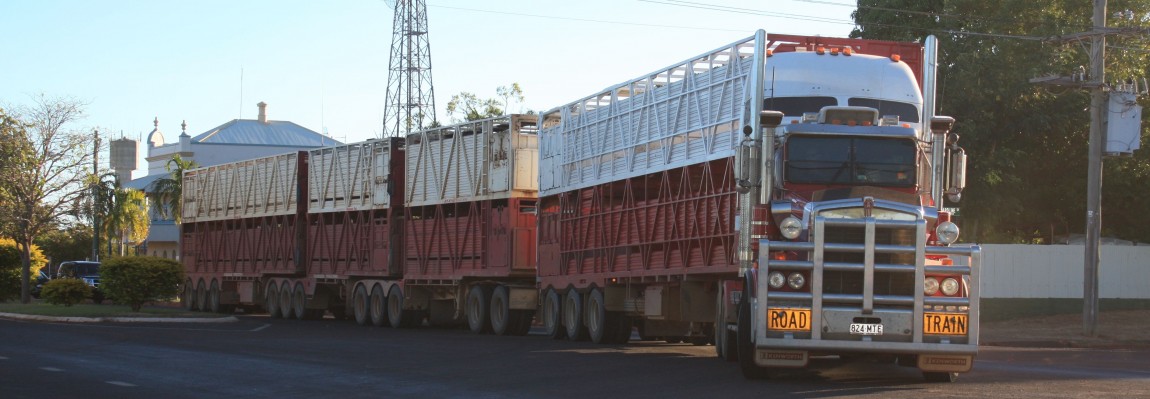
x=595, y=316
x=395, y=307
x=360, y=305
x=273, y=300
x=189, y=296
x=475, y=309
x=299, y=301
x=202, y=296
x=378, y=306
x=214, y=297
x=551, y=320
x=573, y=316
x=286, y=300
x=499, y=310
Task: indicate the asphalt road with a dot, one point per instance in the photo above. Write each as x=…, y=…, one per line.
x=263, y=358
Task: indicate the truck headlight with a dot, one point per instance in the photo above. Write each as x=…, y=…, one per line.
x=947, y=232
x=796, y=280
x=949, y=286
x=930, y=286
x=791, y=227
x=776, y=280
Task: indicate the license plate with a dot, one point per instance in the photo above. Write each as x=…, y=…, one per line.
x=866, y=329
x=944, y=323
x=785, y=319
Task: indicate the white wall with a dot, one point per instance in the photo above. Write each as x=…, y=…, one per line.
x=1056, y=271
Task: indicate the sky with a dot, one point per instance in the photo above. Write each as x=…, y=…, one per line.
x=323, y=64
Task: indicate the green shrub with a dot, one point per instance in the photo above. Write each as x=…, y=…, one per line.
x=66, y=291
x=10, y=268
x=137, y=280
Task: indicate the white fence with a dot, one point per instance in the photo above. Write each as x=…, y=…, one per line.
x=1056, y=271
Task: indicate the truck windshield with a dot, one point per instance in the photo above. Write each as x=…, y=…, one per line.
x=851, y=160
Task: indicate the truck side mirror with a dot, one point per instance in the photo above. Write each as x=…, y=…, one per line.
x=957, y=179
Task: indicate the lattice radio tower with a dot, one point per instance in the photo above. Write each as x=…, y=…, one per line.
x=410, y=103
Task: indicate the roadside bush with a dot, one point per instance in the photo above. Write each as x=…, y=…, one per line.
x=10, y=268
x=137, y=280
x=66, y=291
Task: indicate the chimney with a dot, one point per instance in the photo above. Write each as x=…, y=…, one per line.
x=263, y=118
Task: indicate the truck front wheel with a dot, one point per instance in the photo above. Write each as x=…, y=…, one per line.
x=746, y=344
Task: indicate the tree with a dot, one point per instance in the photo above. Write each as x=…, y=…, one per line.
x=467, y=106
x=168, y=192
x=127, y=219
x=45, y=174
x=10, y=266
x=1027, y=142
x=66, y=242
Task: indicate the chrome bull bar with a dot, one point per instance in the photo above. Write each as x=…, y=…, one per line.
x=867, y=303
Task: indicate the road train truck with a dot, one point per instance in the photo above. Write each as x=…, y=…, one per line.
x=438, y=226
x=780, y=196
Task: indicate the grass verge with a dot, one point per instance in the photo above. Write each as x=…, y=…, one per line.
x=93, y=310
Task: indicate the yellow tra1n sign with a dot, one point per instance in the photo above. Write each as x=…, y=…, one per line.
x=944, y=323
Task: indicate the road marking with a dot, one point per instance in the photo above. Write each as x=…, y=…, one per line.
x=51, y=369
x=120, y=384
x=3, y=358
x=257, y=329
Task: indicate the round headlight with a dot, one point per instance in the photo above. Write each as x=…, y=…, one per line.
x=947, y=232
x=776, y=280
x=796, y=280
x=930, y=286
x=949, y=286
x=791, y=227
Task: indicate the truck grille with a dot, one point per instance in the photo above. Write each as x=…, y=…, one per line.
x=851, y=282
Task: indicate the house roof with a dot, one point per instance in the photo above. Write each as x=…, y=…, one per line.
x=144, y=183
x=277, y=133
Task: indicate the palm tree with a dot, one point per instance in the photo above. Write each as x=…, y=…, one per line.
x=127, y=218
x=168, y=192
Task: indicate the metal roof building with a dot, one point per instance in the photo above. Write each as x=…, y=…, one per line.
x=235, y=140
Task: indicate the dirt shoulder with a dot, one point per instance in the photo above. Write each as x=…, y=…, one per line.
x=1116, y=329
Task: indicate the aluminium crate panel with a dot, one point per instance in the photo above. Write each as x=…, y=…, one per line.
x=259, y=187
x=688, y=113
x=473, y=161
x=356, y=176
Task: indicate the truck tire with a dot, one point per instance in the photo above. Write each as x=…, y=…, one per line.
x=396, y=314
x=359, y=305
x=189, y=297
x=725, y=339
x=299, y=302
x=214, y=297
x=272, y=300
x=378, y=307
x=939, y=376
x=746, y=345
x=478, y=309
x=202, y=296
x=504, y=321
x=521, y=322
x=285, y=300
x=595, y=317
x=573, y=316
x=552, y=315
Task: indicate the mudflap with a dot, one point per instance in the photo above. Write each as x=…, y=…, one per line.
x=945, y=363
x=781, y=358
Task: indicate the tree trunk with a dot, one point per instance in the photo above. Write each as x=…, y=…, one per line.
x=25, y=269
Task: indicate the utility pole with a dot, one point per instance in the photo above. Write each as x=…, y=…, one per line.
x=1095, y=81
x=1098, y=107
x=96, y=195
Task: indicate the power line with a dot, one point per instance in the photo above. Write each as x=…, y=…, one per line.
x=587, y=19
